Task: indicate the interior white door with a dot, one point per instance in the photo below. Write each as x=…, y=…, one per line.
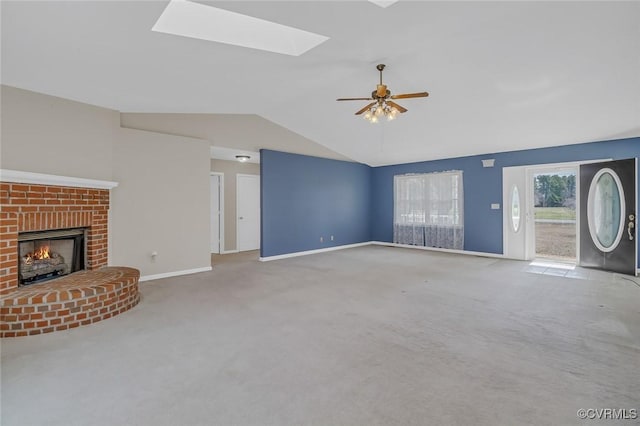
x=215, y=214
x=248, y=212
x=516, y=210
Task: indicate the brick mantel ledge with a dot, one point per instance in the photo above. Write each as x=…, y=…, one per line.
x=18, y=176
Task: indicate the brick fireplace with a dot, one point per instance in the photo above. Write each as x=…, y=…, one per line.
x=71, y=215
x=38, y=207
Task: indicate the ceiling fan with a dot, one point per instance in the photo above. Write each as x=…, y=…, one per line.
x=383, y=105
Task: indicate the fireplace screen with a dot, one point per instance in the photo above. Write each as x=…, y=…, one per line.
x=50, y=254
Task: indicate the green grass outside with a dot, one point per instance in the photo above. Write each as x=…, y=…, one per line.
x=558, y=213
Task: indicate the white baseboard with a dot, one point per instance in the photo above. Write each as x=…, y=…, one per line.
x=381, y=243
x=229, y=251
x=174, y=274
x=472, y=253
x=308, y=252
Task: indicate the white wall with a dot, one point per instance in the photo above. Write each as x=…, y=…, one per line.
x=45, y=134
x=162, y=202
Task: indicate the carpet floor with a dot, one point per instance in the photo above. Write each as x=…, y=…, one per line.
x=364, y=336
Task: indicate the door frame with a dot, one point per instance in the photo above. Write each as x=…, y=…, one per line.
x=239, y=175
x=221, y=206
x=529, y=228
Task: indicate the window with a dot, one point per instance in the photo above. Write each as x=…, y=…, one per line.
x=428, y=210
x=515, y=209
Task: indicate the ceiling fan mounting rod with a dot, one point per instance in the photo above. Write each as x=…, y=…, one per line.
x=380, y=67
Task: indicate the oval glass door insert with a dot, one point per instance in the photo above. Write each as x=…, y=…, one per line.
x=515, y=208
x=605, y=210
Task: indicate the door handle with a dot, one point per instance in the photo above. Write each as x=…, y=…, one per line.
x=241, y=217
x=631, y=226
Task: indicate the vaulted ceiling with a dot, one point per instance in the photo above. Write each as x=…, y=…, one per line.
x=501, y=75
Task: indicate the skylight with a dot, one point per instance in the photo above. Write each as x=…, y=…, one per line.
x=195, y=20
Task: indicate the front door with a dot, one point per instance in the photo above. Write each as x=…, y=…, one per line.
x=608, y=223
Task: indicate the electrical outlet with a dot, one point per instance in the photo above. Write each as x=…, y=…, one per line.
x=332, y=238
x=321, y=239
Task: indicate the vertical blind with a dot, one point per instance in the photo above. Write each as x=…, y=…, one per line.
x=428, y=210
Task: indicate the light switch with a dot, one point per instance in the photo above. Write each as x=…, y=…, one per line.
x=495, y=206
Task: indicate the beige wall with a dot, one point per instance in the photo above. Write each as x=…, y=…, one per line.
x=230, y=170
x=247, y=132
x=45, y=134
x=162, y=202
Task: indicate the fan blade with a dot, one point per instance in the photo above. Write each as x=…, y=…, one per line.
x=365, y=108
x=396, y=106
x=411, y=95
x=353, y=99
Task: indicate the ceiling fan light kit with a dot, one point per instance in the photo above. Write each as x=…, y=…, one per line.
x=379, y=111
x=383, y=105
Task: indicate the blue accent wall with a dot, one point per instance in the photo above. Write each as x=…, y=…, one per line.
x=304, y=198
x=483, y=186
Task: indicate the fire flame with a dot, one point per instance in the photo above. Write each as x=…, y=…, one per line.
x=40, y=253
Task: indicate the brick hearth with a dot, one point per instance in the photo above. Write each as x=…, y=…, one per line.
x=27, y=207
x=81, y=298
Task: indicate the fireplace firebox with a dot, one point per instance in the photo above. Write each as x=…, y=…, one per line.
x=45, y=255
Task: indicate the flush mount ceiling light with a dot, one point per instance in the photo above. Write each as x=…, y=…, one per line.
x=383, y=3
x=382, y=105
x=243, y=158
x=195, y=20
